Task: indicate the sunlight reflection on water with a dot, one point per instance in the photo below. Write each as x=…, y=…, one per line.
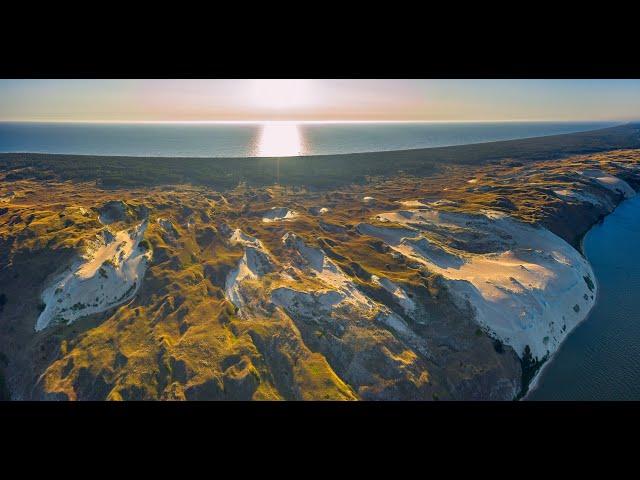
x=280, y=140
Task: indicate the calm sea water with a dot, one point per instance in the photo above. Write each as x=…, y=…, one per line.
x=242, y=140
x=600, y=359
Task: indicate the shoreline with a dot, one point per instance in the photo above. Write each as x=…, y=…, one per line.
x=529, y=191
x=533, y=384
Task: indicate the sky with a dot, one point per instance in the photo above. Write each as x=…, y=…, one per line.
x=319, y=100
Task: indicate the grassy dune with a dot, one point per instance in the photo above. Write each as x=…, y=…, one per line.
x=180, y=337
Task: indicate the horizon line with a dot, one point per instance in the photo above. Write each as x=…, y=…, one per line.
x=256, y=121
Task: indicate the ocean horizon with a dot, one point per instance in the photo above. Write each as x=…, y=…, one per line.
x=268, y=139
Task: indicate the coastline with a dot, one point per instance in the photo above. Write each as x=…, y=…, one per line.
x=556, y=195
x=533, y=384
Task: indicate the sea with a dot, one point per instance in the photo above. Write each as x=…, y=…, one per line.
x=263, y=139
x=600, y=358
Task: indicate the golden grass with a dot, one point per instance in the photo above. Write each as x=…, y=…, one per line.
x=179, y=333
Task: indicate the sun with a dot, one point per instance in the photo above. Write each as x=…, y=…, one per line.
x=281, y=94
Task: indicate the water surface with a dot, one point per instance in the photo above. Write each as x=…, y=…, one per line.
x=600, y=359
x=272, y=139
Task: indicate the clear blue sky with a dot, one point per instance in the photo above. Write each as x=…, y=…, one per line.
x=238, y=100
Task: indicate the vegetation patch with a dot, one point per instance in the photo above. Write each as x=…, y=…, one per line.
x=180, y=338
x=530, y=367
x=589, y=282
x=144, y=245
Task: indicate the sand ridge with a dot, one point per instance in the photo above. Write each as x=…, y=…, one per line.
x=107, y=275
x=528, y=289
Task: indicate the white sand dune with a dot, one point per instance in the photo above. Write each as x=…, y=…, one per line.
x=255, y=263
x=603, y=179
x=398, y=293
x=610, y=182
x=108, y=275
x=425, y=204
x=278, y=214
x=528, y=287
x=413, y=203
x=335, y=292
x=584, y=197
x=167, y=226
x=443, y=202
x=315, y=263
x=337, y=296
x=238, y=236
